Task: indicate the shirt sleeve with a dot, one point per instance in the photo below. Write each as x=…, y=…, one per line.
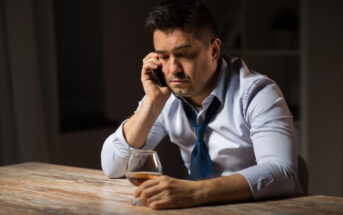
x=115, y=152
x=273, y=137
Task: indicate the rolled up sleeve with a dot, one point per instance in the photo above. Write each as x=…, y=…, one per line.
x=273, y=137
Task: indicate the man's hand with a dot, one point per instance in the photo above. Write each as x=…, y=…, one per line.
x=153, y=92
x=167, y=192
x=137, y=128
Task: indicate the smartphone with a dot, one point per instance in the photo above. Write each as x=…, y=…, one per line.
x=157, y=77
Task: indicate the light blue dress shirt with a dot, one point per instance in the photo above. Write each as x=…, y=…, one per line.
x=252, y=133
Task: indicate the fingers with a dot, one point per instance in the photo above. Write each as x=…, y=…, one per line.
x=151, y=61
x=158, y=197
x=145, y=185
x=159, y=192
x=151, y=193
x=151, y=56
x=151, y=190
x=149, y=65
x=160, y=204
x=155, y=93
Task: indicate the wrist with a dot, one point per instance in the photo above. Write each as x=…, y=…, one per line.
x=154, y=105
x=223, y=189
x=200, y=192
x=137, y=128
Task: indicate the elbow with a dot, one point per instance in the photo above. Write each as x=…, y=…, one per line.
x=107, y=170
x=288, y=178
x=279, y=179
x=106, y=164
x=111, y=174
x=112, y=167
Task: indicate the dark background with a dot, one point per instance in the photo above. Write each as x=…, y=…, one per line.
x=70, y=74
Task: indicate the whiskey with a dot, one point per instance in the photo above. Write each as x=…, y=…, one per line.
x=137, y=178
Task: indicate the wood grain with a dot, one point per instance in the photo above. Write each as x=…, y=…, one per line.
x=37, y=188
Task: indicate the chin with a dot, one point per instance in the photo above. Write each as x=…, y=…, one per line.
x=181, y=92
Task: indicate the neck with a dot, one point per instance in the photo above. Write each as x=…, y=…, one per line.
x=196, y=101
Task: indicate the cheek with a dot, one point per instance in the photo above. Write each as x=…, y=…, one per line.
x=202, y=68
x=197, y=69
x=189, y=70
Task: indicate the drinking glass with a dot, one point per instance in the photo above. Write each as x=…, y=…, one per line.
x=142, y=165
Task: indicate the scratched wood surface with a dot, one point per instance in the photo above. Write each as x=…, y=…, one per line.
x=38, y=188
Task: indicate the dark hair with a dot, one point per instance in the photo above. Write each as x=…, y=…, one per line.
x=189, y=15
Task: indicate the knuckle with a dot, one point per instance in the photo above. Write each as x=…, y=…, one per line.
x=169, y=200
x=169, y=192
x=154, y=205
x=143, y=197
x=145, y=65
x=165, y=186
x=164, y=177
x=144, y=194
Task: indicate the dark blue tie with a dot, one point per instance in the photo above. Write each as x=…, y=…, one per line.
x=201, y=164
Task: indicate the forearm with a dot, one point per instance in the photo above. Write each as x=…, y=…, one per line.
x=137, y=128
x=167, y=192
x=116, y=150
x=224, y=189
x=257, y=182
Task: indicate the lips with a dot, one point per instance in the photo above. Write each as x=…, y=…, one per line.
x=175, y=81
x=178, y=81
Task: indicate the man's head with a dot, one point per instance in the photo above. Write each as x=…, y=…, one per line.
x=185, y=39
x=189, y=15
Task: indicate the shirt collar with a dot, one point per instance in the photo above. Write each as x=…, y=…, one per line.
x=219, y=90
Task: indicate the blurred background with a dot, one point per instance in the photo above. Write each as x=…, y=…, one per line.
x=70, y=73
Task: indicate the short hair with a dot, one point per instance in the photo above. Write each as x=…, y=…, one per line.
x=189, y=15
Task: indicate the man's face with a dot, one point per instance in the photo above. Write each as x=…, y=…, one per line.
x=188, y=64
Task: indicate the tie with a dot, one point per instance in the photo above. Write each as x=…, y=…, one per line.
x=201, y=164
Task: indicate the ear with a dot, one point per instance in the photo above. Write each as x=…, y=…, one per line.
x=215, y=49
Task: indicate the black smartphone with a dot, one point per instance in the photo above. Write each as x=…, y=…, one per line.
x=157, y=77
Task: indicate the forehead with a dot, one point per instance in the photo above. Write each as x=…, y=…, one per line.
x=171, y=39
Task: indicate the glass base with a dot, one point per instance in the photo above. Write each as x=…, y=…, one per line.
x=137, y=202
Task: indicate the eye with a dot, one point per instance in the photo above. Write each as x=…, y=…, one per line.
x=188, y=55
x=178, y=55
x=163, y=57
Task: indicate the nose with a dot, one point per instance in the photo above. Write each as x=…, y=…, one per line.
x=173, y=66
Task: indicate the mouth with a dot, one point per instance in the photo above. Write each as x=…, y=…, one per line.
x=177, y=82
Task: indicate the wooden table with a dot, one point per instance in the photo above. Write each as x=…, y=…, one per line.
x=37, y=188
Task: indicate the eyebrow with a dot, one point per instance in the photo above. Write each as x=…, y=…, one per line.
x=174, y=49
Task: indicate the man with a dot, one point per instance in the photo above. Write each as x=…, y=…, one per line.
x=232, y=125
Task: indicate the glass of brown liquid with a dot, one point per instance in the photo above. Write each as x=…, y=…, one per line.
x=143, y=165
